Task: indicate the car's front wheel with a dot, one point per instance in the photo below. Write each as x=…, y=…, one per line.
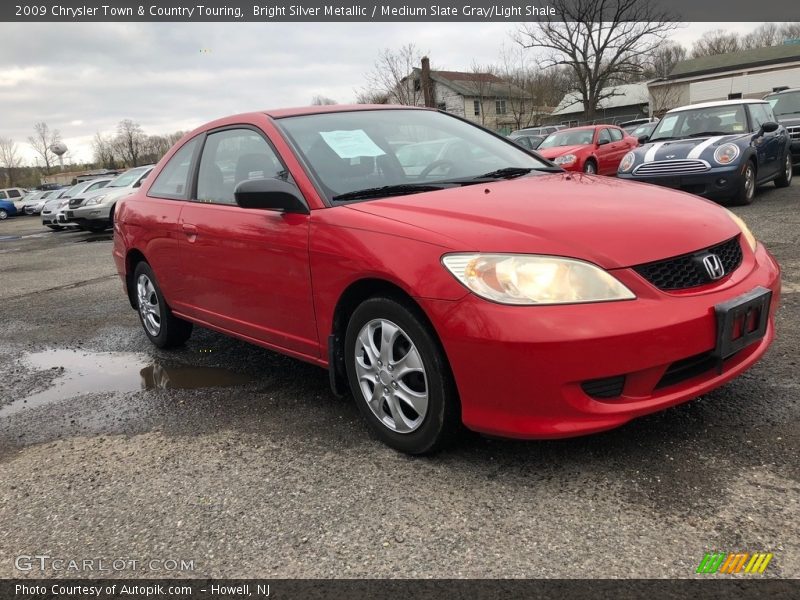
x=590, y=167
x=400, y=378
x=3, y=214
x=163, y=328
x=747, y=187
x=785, y=178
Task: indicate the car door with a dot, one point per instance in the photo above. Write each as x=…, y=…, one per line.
x=604, y=152
x=769, y=146
x=246, y=270
x=619, y=148
x=159, y=223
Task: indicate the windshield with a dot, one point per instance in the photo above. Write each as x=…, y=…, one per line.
x=577, y=137
x=714, y=120
x=785, y=104
x=643, y=129
x=359, y=150
x=128, y=178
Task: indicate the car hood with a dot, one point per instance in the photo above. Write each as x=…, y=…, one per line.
x=610, y=222
x=111, y=193
x=789, y=121
x=700, y=147
x=560, y=150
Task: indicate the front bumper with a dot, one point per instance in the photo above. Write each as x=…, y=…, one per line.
x=520, y=370
x=717, y=182
x=86, y=215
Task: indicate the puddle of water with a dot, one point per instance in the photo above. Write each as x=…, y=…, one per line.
x=87, y=372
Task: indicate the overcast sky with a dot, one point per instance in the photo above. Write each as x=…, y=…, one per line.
x=83, y=78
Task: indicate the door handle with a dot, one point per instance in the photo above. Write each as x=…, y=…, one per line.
x=190, y=231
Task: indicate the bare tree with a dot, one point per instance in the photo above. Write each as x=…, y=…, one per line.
x=717, y=41
x=392, y=74
x=320, y=100
x=600, y=41
x=129, y=142
x=367, y=96
x=103, y=148
x=790, y=31
x=483, y=88
x=9, y=159
x=663, y=59
x=41, y=142
x=763, y=36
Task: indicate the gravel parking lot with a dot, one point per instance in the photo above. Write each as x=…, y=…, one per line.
x=266, y=474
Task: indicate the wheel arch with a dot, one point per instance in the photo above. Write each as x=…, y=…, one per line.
x=352, y=296
x=133, y=257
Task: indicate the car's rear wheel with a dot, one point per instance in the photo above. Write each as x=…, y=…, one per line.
x=164, y=329
x=785, y=178
x=400, y=378
x=3, y=214
x=590, y=167
x=747, y=189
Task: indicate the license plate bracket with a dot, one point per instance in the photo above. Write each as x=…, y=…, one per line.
x=741, y=321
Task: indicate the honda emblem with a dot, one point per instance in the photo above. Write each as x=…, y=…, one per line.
x=714, y=266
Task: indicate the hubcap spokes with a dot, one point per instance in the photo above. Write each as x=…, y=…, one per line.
x=749, y=182
x=391, y=376
x=149, y=308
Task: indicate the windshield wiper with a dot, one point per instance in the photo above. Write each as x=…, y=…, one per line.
x=505, y=173
x=708, y=133
x=390, y=190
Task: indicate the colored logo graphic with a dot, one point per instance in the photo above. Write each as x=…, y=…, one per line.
x=741, y=562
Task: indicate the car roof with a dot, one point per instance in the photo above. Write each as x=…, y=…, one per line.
x=718, y=103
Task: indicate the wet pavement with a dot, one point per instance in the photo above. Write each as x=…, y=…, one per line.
x=242, y=461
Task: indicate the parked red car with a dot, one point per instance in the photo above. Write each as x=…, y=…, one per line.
x=483, y=287
x=593, y=149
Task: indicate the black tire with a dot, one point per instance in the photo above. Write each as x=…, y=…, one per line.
x=96, y=228
x=590, y=167
x=747, y=190
x=172, y=331
x=55, y=227
x=785, y=178
x=442, y=419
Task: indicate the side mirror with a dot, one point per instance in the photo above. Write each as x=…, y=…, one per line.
x=603, y=142
x=643, y=139
x=769, y=127
x=270, y=194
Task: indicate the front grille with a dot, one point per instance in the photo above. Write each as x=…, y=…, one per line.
x=75, y=202
x=672, y=167
x=687, y=270
x=794, y=132
x=608, y=387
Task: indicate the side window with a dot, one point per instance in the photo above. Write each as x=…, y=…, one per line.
x=173, y=181
x=604, y=136
x=758, y=115
x=230, y=157
x=96, y=186
x=616, y=134
x=14, y=194
x=3, y=196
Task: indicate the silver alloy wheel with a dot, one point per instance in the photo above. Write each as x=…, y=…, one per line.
x=149, y=308
x=749, y=182
x=391, y=376
x=789, y=168
x=3, y=215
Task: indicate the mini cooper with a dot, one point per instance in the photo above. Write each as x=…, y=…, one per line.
x=719, y=150
x=480, y=286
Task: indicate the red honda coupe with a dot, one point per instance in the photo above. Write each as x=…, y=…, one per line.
x=443, y=275
x=593, y=149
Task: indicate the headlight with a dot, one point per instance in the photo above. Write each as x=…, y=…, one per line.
x=95, y=200
x=532, y=279
x=726, y=154
x=626, y=164
x=567, y=159
x=748, y=235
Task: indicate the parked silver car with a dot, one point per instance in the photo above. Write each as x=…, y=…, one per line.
x=54, y=205
x=33, y=204
x=95, y=212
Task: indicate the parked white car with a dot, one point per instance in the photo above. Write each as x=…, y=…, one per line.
x=53, y=206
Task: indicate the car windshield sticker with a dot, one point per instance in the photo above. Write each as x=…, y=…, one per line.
x=350, y=144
